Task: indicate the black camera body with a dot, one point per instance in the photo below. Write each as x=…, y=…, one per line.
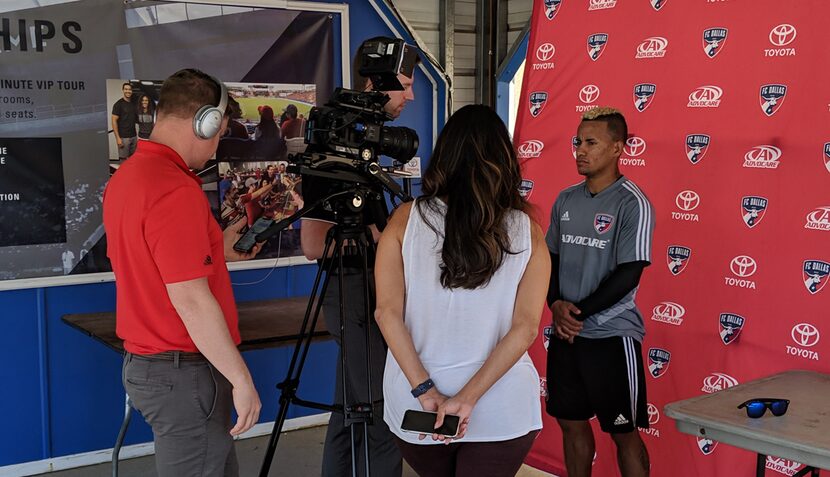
x=351, y=123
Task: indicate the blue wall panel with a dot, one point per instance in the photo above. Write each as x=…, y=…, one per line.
x=23, y=436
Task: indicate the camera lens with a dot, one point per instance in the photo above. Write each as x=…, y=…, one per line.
x=399, y=143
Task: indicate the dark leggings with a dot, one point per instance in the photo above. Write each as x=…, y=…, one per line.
x=468, y=459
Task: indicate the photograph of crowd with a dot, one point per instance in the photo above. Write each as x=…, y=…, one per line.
x=248, y=180
x=132, y=114
x=269, y=122
x=261, y=190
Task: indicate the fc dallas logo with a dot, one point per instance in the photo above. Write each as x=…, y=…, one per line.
x=772, y=97
x=596, y=45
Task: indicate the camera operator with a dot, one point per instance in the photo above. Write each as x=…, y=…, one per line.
x=384, y=455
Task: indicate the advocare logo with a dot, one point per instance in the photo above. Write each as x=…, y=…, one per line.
x=783, y=466
x=713, y=41
x=643, y=96
x=543, y=387
x=589, y=94
x=544, y=53
x=686, y=201
x=652, y=47
x=596, y=45
x=706, y=445
x=718, y=382
x=819, y=219
x=658, y=4
x=742, y=267
x=781, y=37
x=601, y=4
x=668, y=312
x=634, y=147
x=804, y=335
x=763, y=157
x=707, y=96
x=653, y=418
x=551, y=8
x=530, y=149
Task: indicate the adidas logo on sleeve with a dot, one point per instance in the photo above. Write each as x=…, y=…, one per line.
x=620, y=420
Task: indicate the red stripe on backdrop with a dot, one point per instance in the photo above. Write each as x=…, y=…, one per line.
x=728, y=105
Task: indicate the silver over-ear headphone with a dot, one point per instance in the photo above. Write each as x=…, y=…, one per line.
x=208, y=119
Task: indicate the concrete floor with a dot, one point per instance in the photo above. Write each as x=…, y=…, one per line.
x=298, y=455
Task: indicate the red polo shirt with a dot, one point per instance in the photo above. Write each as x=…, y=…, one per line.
x=160, y=230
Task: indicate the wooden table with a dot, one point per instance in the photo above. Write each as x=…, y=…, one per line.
x=801, y=435
x=262, y=324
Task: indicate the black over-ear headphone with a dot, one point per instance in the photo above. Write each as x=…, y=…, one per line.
x=208, y=119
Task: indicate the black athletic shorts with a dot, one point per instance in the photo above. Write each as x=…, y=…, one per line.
x=602, y=377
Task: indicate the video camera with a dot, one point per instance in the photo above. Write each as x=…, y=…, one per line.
x=351, y=123
x=346, y=138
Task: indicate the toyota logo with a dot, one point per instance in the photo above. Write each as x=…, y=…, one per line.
x=687, y=200
x=706, y=93
x=743, y=266
x=589, y=93
x=634, y=146
x=545, y=51
x=805, y=334
x=782, y=35
x=653, y=414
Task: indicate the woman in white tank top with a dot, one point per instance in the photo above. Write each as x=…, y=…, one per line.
x=462, y=276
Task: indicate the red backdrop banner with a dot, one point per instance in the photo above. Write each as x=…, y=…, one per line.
x=728, y=106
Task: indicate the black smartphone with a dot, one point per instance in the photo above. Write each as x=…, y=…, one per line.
x=423, y=422
x=248, y=240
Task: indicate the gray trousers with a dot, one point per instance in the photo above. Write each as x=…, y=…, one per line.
x=384, y=456
x=128, y=146
x=188, y=404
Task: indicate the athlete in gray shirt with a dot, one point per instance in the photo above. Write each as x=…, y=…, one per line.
x=600, y=241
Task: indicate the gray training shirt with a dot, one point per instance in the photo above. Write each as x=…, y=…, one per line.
x=592, y=236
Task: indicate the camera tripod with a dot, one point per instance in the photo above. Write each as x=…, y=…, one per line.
x=347, y=239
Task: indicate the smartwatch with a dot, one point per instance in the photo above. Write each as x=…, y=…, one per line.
x=422, y=388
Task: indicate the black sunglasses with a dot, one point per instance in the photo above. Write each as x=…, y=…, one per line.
x=757, y=407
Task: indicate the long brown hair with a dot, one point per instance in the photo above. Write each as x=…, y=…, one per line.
x=474, y=170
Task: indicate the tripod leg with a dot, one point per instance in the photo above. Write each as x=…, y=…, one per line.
x=288, y=387
x=367, y=316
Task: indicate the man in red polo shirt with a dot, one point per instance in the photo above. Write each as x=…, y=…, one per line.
x=175, y=306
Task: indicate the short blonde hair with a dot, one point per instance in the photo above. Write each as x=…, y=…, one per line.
x=595, y=113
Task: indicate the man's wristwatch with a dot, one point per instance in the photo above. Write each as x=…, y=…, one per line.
x=422, y=388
